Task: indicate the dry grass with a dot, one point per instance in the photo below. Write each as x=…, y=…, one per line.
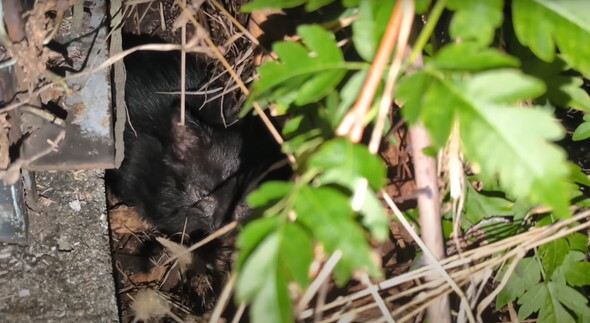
x=471, y=270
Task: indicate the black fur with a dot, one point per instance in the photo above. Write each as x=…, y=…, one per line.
x=198, y=173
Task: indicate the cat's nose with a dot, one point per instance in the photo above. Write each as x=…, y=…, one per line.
x=207, y=206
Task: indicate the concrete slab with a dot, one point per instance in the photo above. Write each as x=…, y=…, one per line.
x=65, y=273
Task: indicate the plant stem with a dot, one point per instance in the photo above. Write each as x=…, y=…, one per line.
x=427, y=30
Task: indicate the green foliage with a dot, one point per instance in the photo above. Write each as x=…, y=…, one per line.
x=544, y=24
x=550, y=300
x=527, y=274
x=345, y=164
x=370, y=27
x=422, y=6
x=497, y=78
x=483, y=205
x=492, y=133
x=310, y=5
x=327, y=213
x=583, y=130
x=486, y=15
x=550, y=289
x=277, y=248
x=301, y=77
x=474, y=58
x=563, y=89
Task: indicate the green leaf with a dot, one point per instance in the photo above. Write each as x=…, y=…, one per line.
x=347, y=162
x=324, y=46
x=578, y=241
x=296, y=253
x=532, y=300
x=552, y=309
x=348, y=95
x=526, y=275
x=292, y=125
x=548, y=299
x=571, y=298
x=332, y=112
x=303, y=144
x=272, y=303
x=574, y=270
x=521, y=210
x=509, y=86
x=448, y=228
x=582, y=132
x=252, y=234
x=426, y=98
x=327, y=214
x=369, y=28
x=412, y=92
x=553, y=254
x=498, y=228
x=563, y=88
x=303, y=75
x=544, y=24
x=269, y=260
x=269, y=4
x=578, y=176
x=479, y=206
x=374, y=216
x=422, y=6
x=486, y=15
x=350, y=3
x=257, y=268
x=469, y=57
x=268, y=193
x=313, y=5
x=493, y=137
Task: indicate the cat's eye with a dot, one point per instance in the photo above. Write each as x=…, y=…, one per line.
x=199, y=194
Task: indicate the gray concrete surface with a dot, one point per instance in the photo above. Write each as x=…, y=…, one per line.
x=64, y=274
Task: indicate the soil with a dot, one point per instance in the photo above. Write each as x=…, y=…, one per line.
x=64, y=274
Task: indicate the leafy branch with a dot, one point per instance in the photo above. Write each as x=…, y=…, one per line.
x=497, y=82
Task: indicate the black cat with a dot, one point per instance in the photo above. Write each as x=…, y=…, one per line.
x=190, y=177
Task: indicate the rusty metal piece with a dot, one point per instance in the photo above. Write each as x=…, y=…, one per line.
x=88, y=142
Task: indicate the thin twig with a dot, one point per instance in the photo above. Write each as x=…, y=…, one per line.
x=433, y=260
x=426, y=32
x=223, y=299
x=462, y=276
x=378, y=299
x=352, y=124
x=405, y=29
x=183, y=71
x=321, y=301
x=322, y=276
x=223, y=230
x=239, y=313
x=243, y=29
x=492, y=296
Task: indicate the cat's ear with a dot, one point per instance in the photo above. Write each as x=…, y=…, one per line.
x=188, y=138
